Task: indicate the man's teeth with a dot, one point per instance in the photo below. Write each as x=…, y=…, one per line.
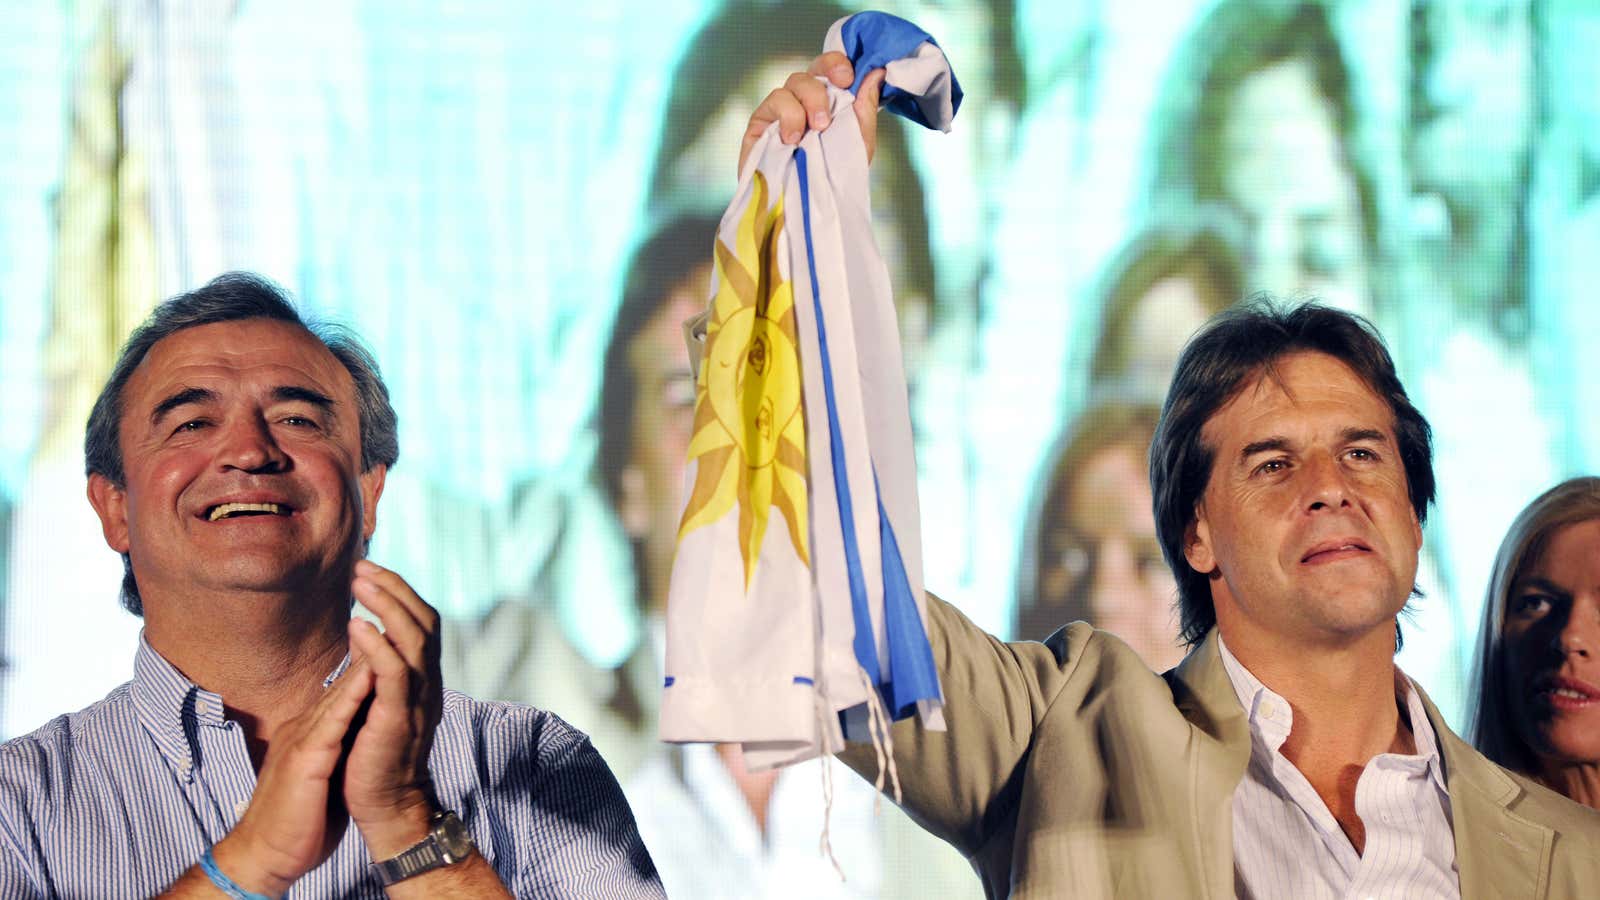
x=229, y=509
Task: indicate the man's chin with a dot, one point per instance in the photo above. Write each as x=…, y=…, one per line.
x=1350, y=615
x=265, y=577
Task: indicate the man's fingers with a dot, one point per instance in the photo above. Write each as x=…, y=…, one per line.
x=401, y=589
x=400, y=630
x=835, y=67
x=410, y=624
x=381, y=654
x=866, y=108
x=803, y=103
x=780, y=106
x=813, y=97
x=338, y=707
x=395, y=682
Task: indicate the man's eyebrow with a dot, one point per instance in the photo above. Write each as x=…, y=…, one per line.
x=1269, y=445
x=289, y=393
x=1352, y=435
x=182, y=397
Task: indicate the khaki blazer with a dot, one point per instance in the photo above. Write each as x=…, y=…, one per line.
x=1071, y=770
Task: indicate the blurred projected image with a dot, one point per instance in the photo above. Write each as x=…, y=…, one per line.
x=1161, y=288
x=520, y=246
x=1259, y=120
x=1092, y=553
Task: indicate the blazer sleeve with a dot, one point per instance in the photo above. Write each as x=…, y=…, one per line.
x=962, y=784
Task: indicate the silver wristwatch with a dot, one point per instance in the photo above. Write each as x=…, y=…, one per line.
x=448, y=843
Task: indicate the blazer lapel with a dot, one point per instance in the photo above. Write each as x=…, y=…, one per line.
x=1499, y=854
x=1205, y=696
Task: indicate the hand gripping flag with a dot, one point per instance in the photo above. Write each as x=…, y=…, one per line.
x=795, y=614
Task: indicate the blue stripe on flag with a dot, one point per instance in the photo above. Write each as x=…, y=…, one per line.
x=872, y=40
x=865, y=647
x=801, y=679
x=913, y=675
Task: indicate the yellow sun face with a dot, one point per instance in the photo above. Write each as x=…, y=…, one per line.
x=749, y=431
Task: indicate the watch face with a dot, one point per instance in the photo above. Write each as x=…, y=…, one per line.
x=453, y=837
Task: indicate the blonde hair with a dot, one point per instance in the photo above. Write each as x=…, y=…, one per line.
x=1494, y=730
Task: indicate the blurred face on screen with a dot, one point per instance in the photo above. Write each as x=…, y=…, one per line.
x=1163, y=320
x=1473, y=94
x=663, y=420
x=1287, y=175
x=1552, y=639
x=1471, y=120
x=1101, y=551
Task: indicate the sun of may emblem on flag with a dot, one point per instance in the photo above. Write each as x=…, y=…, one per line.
x=749, y=433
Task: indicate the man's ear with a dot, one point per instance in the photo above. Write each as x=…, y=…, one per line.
x=633, y=502
x=371, y=489
x=1197, y=548
x=111, y=505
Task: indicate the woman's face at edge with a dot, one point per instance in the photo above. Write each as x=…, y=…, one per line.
x=1551, y=634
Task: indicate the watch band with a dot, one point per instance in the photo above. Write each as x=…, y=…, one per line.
x=448, y=843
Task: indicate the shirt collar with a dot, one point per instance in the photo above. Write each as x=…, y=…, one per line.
x=1271, y=717
x=172, y=708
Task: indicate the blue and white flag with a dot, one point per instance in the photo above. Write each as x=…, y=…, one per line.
x=795, y=614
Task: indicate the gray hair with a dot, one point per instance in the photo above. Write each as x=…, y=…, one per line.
x=233, y=297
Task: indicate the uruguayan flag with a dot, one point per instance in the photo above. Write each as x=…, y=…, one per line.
x=796, y=610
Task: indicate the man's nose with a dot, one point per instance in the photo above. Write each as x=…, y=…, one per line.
x=1325, y=482
x=248, y=444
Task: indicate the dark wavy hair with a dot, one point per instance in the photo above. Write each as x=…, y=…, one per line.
x=1221, y=360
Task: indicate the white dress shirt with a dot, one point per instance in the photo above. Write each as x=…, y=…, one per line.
x=1286, y=843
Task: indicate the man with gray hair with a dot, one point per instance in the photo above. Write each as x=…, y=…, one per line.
x=269, y=740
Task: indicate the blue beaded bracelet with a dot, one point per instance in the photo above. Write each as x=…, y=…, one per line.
x=208, y=865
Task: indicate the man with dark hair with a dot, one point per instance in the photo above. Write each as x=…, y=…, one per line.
x=1286, y=756
x=269, y=740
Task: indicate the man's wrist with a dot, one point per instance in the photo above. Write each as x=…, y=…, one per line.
x=394, y=834
x=242, y=868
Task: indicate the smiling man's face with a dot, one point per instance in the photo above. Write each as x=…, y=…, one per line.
x=241, y=448
x=1306, y=525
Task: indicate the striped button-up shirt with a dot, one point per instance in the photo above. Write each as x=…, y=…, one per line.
x=1286, y=843
x=119, y=799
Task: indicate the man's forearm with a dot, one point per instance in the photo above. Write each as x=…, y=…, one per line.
x=471, y=878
